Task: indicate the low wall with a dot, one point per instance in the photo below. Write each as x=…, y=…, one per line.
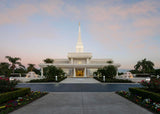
x=24, y=79
x=135, y=79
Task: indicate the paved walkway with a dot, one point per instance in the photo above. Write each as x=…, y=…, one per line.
x=81, y=103
x=79, y=80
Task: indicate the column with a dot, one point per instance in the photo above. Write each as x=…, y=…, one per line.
x=41, y=71
x=85, y=72
x=71, y=60
x=74, y=72
x=87, y=61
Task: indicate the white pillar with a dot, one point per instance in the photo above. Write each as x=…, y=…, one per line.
x=71, y=60
x=41, y=71
x=85, y=72
x=74, y=72
x=87, y=60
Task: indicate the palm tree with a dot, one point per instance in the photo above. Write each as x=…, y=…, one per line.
x=13, y=61
x=144, y=66
x=31, y=67
x=48, y=60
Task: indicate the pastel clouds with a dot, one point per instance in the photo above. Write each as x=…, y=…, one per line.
x=116, y=24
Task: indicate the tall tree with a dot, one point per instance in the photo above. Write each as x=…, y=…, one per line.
x=48, y=60
x=144, y=66
x=14, y=62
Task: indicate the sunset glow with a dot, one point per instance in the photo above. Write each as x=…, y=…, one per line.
x=124, y=30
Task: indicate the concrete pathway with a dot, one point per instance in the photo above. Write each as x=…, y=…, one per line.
x=79, y=80
x=81, y=103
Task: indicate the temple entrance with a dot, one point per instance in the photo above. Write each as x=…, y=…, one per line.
x=79, y=72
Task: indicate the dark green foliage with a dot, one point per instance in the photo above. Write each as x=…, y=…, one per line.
x=110, y=71
x=110, y=62
x=113, y=80
x=107, y=71
x=157, y=71
x=48, y=60
x=133, y=71
x=120, y=73
x=51, y=71
x=49, y=80
x=14, y=62
x=144, y=66
x=143, y=75
x=4, y=69
x=14, y=104
x=7, y=85
x=14, y=94
x=31, y=67
x=20, y=70
x=145, y=93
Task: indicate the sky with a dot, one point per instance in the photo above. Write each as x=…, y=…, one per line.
x=124, y=30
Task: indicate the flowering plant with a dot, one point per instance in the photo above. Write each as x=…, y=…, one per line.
x=7, y=85
x=153, y=84
x=20, y=101
x=147, y=103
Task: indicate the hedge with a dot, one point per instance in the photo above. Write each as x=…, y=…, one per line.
x=113, y=80
x=48, y=80
x=145, y=93
x=4, y=97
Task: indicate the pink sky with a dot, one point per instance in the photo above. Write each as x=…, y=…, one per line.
x=126, y=31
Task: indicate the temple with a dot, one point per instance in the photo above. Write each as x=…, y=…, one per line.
x=79, y=63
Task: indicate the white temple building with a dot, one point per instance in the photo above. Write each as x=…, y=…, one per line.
x=79, y=63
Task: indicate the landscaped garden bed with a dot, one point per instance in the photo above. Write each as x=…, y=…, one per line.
x=144, y=102
x=14, y=104
x=48, y=80
x=12, y=98
x=148, y=96
x=113, y=80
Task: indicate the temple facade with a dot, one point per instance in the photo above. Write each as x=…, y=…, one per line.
x=79, y=63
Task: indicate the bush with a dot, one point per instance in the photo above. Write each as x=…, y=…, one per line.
x=113, y=80
x=108, y=71
x=143, y=75
x=145, y=93
x=52, y=71
x=13, y=94
x=48, y=80
x=7, y=85
x=153, y=85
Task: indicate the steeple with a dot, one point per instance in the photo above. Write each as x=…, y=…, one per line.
x=79, y=46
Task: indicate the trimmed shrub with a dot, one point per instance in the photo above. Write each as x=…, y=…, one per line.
x=6, y=85
x=143, y=75
x=14, y=94
x=153, y=85
x=48, y=80
x=113, y=80
x=145, y=93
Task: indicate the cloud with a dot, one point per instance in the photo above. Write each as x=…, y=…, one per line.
x=116, y=24
x=125, y=25
x=17, y=14
x=20, y=13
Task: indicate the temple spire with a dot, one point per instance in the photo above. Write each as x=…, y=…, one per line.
x=79, y=46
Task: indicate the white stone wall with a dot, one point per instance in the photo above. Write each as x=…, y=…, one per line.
x=79, y=61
